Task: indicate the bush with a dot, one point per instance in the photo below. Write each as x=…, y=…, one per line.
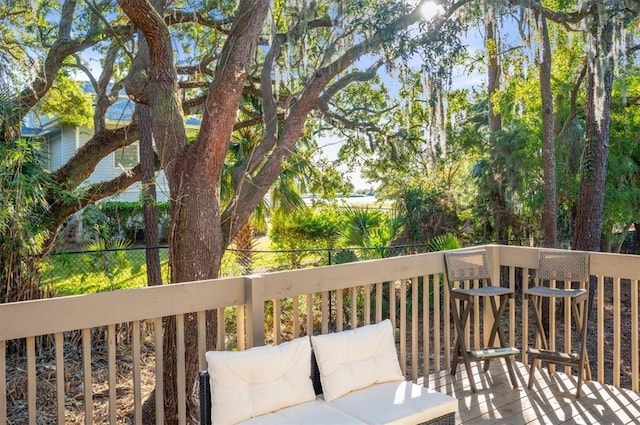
x=304, y=231
x=123, y=220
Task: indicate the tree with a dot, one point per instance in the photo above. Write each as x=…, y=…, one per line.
x=306, y=56
x=201, y=226
x=600, y=66
x=550, y=208
x=604, y=21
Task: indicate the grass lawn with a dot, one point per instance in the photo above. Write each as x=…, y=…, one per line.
x=90, y=272
x=75, y=273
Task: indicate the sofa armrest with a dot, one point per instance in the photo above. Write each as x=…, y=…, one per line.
x=205, y=398
x=315, y=375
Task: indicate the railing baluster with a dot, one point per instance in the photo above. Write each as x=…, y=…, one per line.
x=476, y=323
x=309, y=314
x=137, y=375
x=324, y=308
x=367, y=305
x=526, y=272
x=635, y=364
x=617, y=331
x=157, y=328
x=567, y=327
x=601, y=336
x=3, y=382
x=31, y=379
x=201, y=318
x=403, y=326
x=354, y=307
x=439, y=281
x=295, y=306
x=512, y=307
x=180, y=369
x=339, y=312
x=277, y=314
x=220, y=330
x=552, y=325
x=88, y=382
x=240, y=327
x=414, y=328
x=378, y=302
x=426, y=330
x=392, y=304
x=113, y=383
x=59, y=342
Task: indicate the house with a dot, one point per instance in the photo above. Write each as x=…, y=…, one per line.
x=60, y=142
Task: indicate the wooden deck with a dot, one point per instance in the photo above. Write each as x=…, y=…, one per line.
x=551, y=400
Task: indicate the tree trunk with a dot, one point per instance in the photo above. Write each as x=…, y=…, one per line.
x=598, y=118
x=499, y=205
x=549, y=212
x=150, y=209
x=193, y=170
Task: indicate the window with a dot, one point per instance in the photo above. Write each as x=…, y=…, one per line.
x=126, y=157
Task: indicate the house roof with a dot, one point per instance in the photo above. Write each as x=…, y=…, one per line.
x=119, y=113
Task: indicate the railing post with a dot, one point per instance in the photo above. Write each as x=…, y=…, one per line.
x=494, y=264
x=254, y=297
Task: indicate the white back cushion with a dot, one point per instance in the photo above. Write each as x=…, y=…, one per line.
x=245, y=384
x=356, y=359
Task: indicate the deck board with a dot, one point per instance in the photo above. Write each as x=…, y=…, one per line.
x=551, y=400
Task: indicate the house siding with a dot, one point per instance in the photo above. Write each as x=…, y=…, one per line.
x=64, y=145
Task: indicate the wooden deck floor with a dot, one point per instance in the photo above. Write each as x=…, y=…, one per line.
x=551, y=400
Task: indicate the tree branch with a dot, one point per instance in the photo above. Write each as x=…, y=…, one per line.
x=83, y=162
x=253, y=188
x=61, y=208
x=563, y=18
x=573, y=101
x=177, y=16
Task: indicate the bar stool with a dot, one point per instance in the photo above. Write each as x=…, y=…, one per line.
x=568, y=267
x=464, y=267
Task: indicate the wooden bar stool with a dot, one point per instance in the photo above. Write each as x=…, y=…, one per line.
x=464, y=268
x=570, y=267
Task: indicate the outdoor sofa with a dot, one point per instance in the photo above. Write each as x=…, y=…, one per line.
x=349, y=377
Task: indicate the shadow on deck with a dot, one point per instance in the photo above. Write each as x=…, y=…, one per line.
x=551, y=401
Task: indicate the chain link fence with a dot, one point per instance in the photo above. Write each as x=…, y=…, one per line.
x=79, y=272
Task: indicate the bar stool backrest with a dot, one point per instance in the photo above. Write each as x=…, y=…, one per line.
x=568, y=266
x=467, y=265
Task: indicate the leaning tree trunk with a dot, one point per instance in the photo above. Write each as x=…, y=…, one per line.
x=590, y=210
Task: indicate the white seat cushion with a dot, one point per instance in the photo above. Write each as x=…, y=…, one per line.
x=316, y=412
x=396, y=403
x=356, y=359
x=250, y=383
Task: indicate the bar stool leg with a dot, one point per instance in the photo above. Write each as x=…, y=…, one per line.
x=460, y=347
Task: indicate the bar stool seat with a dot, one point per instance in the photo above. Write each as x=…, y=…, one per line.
x=566, y=266
x=463, y=268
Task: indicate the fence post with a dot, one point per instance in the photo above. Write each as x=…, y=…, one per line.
x=254, y=297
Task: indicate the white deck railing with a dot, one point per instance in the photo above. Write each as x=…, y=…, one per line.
x=107, y=330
